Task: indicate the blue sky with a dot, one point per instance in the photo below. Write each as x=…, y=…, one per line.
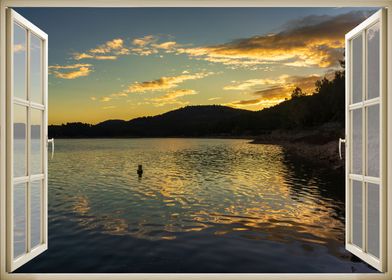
x=126, y=63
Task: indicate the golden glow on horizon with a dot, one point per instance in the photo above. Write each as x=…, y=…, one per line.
x=299, y=55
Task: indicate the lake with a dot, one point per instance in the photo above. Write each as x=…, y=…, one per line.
x=202, y=205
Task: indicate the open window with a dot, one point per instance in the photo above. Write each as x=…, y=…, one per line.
x=26, y=140
x=366, y=140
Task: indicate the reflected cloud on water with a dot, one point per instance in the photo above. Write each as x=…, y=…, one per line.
x=194, y=185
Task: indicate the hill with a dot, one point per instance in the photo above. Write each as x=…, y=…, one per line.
x=302, y=111
x=190, y=121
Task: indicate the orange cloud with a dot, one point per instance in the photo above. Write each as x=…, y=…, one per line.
x=80, y=70
x=248, y=84
x=73, y=66
x=312, y=41
x=164, y=83
x=105, y=99
x=305, y=82
x=169, y=46
x=144, y=51
x=149, y=45
x=144, y=41
x=276, y=92
x=110, y=50
x=79, y=56
x=173, y=95
x=255, y=104
x=143, y=45
x=110, y=46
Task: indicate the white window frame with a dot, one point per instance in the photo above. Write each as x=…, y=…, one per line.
x=190, y=3
x=14, y=263
x=364, y=104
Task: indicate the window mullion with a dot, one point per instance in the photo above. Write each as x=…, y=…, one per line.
x=28, y=210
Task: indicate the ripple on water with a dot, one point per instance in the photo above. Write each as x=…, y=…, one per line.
x=224, y=204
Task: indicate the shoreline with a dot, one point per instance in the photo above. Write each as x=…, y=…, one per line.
x=319, y=147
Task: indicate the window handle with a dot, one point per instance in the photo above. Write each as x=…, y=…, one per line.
x=51, y=141
x=340, y=147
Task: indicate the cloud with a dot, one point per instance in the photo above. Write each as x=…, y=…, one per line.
x=214, y=98
x=245, y=85
x=247, y=102
x=168, y=47
x=19, y=48
x=79, y=70
x=108, y=107
x=144, y=41
x=79, y=56
x=119, y=94
x=110, y=50
x=73, y=66
x=143, y=45
x=164, y=83
x=105, y=99
x=105, y=57
x=150, y=44
x=173, y=95
x=257, y=103
x=144, y=51
x=307, y=83
x=311, y=41
x=161, y=84
x=275, y=92
x=115, y=45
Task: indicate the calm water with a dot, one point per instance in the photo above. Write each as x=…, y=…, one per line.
x=202, y=205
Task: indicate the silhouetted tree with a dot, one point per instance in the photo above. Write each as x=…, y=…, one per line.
x=326, y=104
x=297, y=92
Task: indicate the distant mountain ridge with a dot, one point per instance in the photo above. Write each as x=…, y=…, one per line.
x=190, y=121
x=302, y=111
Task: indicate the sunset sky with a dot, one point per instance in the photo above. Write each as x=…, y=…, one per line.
x=125, y=63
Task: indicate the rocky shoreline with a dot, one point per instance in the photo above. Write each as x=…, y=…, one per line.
x=318, y=146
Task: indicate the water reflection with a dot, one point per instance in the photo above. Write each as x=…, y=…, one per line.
x=191, y=186
x=193, y=193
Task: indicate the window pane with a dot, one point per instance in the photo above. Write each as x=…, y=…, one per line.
x=373, y=139
x=357, y=69
x=36, y=141
x=357, y=141
x=19, y=85
x=357, y=213
x=19, y=219
x=35, y=213
x=373, y=57
x=20, y=154
x=36, y=69
x=373, y=217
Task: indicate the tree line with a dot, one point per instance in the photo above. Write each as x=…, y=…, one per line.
x=302, y=111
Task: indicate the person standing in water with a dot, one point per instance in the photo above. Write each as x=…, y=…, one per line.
x=140, y=170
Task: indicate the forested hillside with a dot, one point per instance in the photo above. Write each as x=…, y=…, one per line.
x=301, y=111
